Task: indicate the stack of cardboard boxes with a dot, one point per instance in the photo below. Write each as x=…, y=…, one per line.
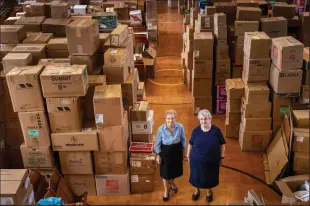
x=57, y=48
x=304, y=99
x=288, y=11
x=202, y=71
x=235, y=91
x=189, y=52
x=222, y=61
x=274, y=26
x=304, y=31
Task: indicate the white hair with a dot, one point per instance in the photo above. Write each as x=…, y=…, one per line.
x=204, y=113
x=171, y=112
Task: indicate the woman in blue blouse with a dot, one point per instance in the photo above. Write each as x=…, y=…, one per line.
x=205, y=152
x=170, y=146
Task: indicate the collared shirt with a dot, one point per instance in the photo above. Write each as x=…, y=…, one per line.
x=165, y=137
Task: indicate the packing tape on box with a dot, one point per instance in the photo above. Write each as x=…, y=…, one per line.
x=78, y=29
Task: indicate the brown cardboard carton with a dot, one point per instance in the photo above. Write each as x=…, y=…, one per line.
x=120, y=137
x=37, y=157
x=38, y=38
x=85, y=140
x=5, y=49
x=64, y=81
x=142, y=183
x=233, y=118
x=221, y=77
x=56, y=26
x=118, y=35
x=203, y=45
x=245, y=26
x=203, y=69
x=142, y=138
x=55, y=62
x=301, y=118
x=233, y=105
x=108, y=105
x=140, y=111
x=57, y=53
x=38, y=51
x=58, y=44
x=287, y=53
x=210, y=10
x=116, y=74
x=304, y=21
x=31, y=24
x=60, y=10
x=256, y=45
x=12, y=34
x=189, y=79
x=255, y=70
x=202, y=87
x=234, y=88
x=116, y=57
x=203, y=102
x=223, y=66
x=83, y=37
x=205, y=21
x=142, y=163
x=248, y=13
x=24, y=87
x=222, y=52
x=81, y=184
x=274, y=26
x=256, y=124
x=280, y=107
x=127, y=44
x=228, y=8
x=255, y=92
x=247, y=3
x=38, y=9
x=237, y=54
x=304, y=99
x=12, y=60
x=112, y=184
x=93, y=62
x=76, y=163
x=285, y=10
x=220, y=32
x=219, y=19
x=35, y=128
x=11, y=20
x=129, y=90
x=111, y=162
x=251, y=110
x=254, y=141
x=301, y=162
x=13, y=192
x=231, y=131
x=279, y=78
x=300, y=140
x=64, y=114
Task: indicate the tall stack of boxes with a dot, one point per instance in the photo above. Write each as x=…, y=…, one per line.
x=255, y=128
x=304, y=99
x=189, y=52
x=202, y=71
x=304, y=31
x=235, y=91
x=222, y=61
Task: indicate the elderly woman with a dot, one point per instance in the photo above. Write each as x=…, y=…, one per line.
x=170, y=148
x=206, y=150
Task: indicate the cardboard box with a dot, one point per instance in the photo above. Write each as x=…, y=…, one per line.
x=24, y=87
x=83, y=37
x=228, y=8
x=202, y=103
x=233, y=105
x=202, y=87
x=129, y=90
x=5, y=49
x=231, y=131
x=142, y=137
x=237, y=54
x=248, y=13
x=94, y=62
x=81, y=184
x=116, y=57
x=85, y=140
x=223, y=66
x=120, y=137
x=64, y=114
x=35, y=128
x=300, y=140
x=210, y=10
x=279, y=78
x=106, y=20
x=255, y=70
x=56, y=26
x=301, y=162
x=220, y=32
x=143, y=127
x=274, y=26
x=254, y=141
x=37, y=157
x=11, y=20
x=140, y=111
x=256, y=45
x=38, y=38
x=55, y=62
x=108, y=105
x=57, y=53
x=256, y=124
x=287, y=53
x=284, y=10
x=304, y=98
x=118, y=35
x=220, y=92
x=280, y=107
x=247, y=3
x=251, y=110
x=31, y=24
x=142, y=163
x=234, y=88
x=14, y=193
x=58, y=44
x=245, y=26
x=219, y=19
x=255, y=92
x=203, y=69
x=222, y=52
x=142, y=183
x=233, y=118
x=38, y=9
x=115, y=185
x=111, y=162
x=221, y=106
x=75, y=163
x=116, y=74
x=203, y=45
x=64, y=81
x=301, y=118
x=12, y=60
x=12, y=34
x=60, y=10
x=38, y=51
x=304, y=21
x=205, y=21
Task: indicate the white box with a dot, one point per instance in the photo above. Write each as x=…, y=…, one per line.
x=144, y=127
x=80, y=9
x=135, y=17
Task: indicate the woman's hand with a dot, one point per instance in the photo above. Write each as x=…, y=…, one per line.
x=158, y=159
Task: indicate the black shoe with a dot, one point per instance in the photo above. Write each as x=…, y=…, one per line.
x=196, y=196
x=209, y=198
x=165, y=199
x=174, y=189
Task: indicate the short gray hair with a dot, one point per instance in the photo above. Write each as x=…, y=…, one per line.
x=171, y=111
x=204, y=113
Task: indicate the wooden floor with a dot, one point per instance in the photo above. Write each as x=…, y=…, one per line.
x=167, y=91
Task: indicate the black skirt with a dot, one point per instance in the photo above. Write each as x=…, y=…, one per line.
x=171, y=165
